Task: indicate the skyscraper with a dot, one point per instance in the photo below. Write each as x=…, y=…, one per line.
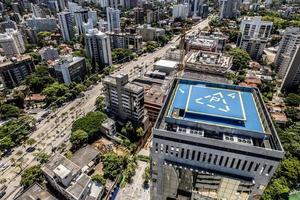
x=80, y=17
x=287, y=49
x=292, y=75
x=113, y=19
x=98, y=47
x=66, y=25
x=180, y=11
x=213, y=141
x=12, y=43
x=229, y=8
x=255, y=35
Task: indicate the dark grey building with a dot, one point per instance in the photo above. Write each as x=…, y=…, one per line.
x=15, y=70
x=213, y=141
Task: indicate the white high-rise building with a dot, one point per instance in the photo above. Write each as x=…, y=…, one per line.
x=73, y=7
x=92, y=14
x=98, y=47
x=255, y=35
x=180, y=11
x=113, y=19
x=287, y=49
x=66, y=25
x=42, y=24
x=12, y=43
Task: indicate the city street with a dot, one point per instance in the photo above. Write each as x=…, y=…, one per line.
x=52, y=132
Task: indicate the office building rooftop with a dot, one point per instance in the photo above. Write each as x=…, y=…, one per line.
x=219, y=108
x=205, y=103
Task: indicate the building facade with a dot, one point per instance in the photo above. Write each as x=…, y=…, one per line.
x=15, y=70
x=287, y=49
x=255, y=35
x=292, y=76
x=12, y=43
x=124, y=100
x=70, y=69
x=204, y=148
x=180, y=11
x=42, y=24
x=66, y=25
x=113, y=19
x=229, y=9
x=149, y=33
x=98, y=47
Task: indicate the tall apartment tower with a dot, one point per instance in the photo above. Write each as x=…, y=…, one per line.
x=124, y=99
x=229, y=9
x=180, y=11
x=255, y=35
x=66, y=25
x=139, y=15
x=98, y=47
x=113, y=19
x=81, y=17
x=287, y=49
x=12, y=43
x=213, y=141
x=292, y=75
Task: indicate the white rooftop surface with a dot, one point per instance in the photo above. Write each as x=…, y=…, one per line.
x=166, y=63
x=61, y=171
x=96, y=189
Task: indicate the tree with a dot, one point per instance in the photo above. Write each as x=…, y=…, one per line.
x=112, y=165
x=140, y=132
x=78, y=138
x=55, y=91
x=42, y=157
x=292, y=113
x=31, y=175
x=91, y=123
x=100, y=105
x=30, y=141
x=292, y=99
x=6, y=143
x=151, y=46
x=122, y=55
x=240, y=59
x=99, y=179
x=146, y=175
x=9, y=111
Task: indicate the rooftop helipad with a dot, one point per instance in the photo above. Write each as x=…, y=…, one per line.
x=217, y=105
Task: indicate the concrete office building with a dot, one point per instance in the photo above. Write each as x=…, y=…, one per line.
x=66, y=25
x=12, y=43
x=15, y=70
x=81, y=17
x=149, y=33
x=8, y=24
x=229, y=9
x=213, y=141
x=42, y=24
x=208, y=62
x=113, y=19
x=70, y=69
x=139, y=15
x=255, y=35
x=287, y=49
x=37, y=11
x=292, y=76
x=180, y=11
x=124, y=100
x=125, y=41
x=97, y=45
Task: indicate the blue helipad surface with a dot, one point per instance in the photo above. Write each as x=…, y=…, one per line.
x=218, y=106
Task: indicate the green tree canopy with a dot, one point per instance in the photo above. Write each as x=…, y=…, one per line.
x=99, y=179
x=240, y=59
x=8, y=111
x=91, y=123
x=78, y=138
x=112, y=165
x=31, y=175
x=100, y=105
x=292, y=99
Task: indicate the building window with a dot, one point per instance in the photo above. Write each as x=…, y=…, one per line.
x=232, y=163
x=263, y=169
x=204, y=157
x=270, y=169
x=193, y=155
x=156, y=147
x=244, y=165
x=250, y=166
x=221, y=160
x=161, y=148
x=198, y=157
x=215, y=160
x=182, y=152
x=209, y=158
x=167, y=149
x=226, y=162
x=187, y=154
x=256, y=167
x=177, y=151
x=238, y=164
